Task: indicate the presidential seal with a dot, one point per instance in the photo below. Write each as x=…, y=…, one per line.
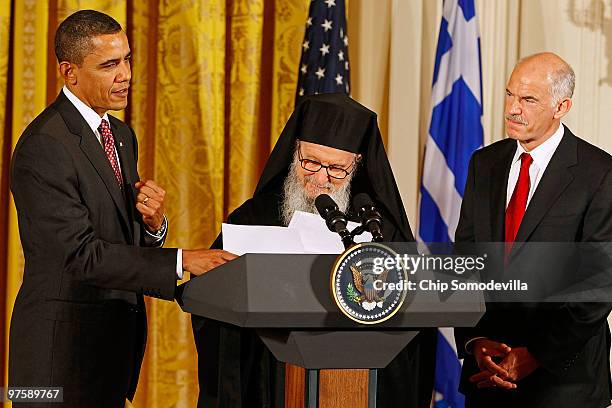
x=364, y=288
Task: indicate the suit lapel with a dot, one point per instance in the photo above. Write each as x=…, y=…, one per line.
x=497, y=191
x=128, y=168
x=554, y=181
x=125, y=157
x=95, y=153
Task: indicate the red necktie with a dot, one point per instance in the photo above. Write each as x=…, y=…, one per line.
x=518, y=202
x=108, y=140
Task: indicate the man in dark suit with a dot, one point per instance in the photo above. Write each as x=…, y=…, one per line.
x=91, y=230
x=543, y=184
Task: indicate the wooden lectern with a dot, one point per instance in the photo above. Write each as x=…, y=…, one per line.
x=287, y=300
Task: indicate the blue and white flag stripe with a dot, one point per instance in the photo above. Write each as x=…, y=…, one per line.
x=455, y=132
x=455, y=126
x=447, y=363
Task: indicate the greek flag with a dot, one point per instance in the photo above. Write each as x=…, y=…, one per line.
x=455, y=131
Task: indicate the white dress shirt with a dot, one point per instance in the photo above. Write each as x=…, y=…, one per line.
x=94, y=120
x=541, y=156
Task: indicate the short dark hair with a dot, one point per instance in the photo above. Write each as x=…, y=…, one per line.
x=73, y=36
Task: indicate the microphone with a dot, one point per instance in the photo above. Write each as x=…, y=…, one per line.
x=334, y=218
x=369, y=215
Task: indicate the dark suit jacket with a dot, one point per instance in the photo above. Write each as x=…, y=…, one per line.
x=79, y=319
x=571, y=341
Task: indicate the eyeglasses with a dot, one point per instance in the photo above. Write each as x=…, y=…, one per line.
x=335, y=172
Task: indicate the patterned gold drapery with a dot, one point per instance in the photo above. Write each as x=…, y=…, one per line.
x=5, y=151
x=213, y=82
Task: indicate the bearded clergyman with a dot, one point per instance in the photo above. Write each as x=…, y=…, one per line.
x=330, y=145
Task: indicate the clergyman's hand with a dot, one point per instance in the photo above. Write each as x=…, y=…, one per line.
x=200, y=261
x=150, y=203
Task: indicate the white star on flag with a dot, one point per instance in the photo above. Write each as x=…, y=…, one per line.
x=327, y=25
x=346, y=65
x=321, y=68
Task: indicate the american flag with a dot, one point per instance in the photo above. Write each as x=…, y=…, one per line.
x=324, y=66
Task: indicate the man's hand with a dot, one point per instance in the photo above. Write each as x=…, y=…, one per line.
x=200, y=261
x=150, y=203
x=484, y=351
x=519, y=363
x=516, y=365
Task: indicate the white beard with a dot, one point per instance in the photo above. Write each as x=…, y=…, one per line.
x=295, y=198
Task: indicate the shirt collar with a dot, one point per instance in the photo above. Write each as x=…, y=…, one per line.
x=91, y=117
x=542, y=154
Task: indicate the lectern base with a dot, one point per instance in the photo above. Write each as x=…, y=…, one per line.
x=336, y=349
x=311, y=391
x=346, y=349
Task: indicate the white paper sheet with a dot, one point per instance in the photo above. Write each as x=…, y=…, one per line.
x=317, y=238
x=306, y=234
x=258, y=239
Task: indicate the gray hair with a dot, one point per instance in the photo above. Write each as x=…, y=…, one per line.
x=562, y=82
x=561, y=77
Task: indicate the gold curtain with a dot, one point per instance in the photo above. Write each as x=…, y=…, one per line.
x=5, y=151
x=213, y=82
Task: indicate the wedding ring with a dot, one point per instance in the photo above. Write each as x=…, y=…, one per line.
x=145, y=200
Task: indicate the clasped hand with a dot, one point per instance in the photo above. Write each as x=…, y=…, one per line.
x=150, y=203
x=501, y=366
